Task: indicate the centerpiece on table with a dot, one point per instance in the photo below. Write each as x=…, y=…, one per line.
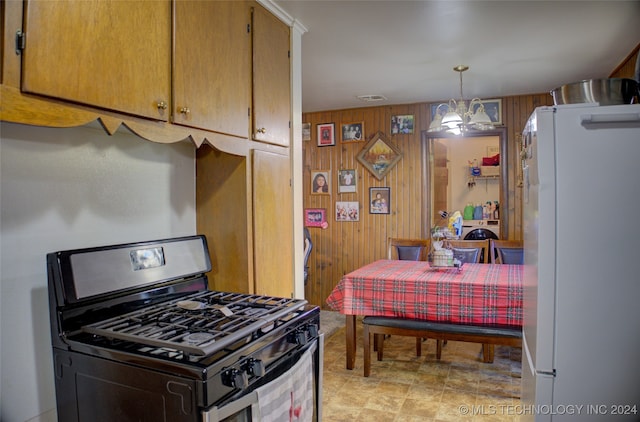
x=441, y=253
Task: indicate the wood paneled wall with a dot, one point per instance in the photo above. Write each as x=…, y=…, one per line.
x=627, y=68
x=345, y=246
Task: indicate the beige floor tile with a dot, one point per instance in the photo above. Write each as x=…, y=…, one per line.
x=385, y=403
x=422, y=408
x=373, y=415
x=406, y=388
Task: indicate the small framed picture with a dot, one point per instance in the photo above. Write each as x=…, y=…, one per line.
x=379, y=200
x=379, y=156
x=315, y=217
x=402, y=124
x=326, y=134
x=353, y=132
x=347, y=181
x=320, y=182
x=306, y=131
x=347, y=211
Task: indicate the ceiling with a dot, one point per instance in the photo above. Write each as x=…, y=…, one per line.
x=406, y=50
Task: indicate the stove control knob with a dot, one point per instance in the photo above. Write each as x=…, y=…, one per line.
x=301, y=337
x=235, y=378
x=255, y=367
x=313, y=330
x=298, y=336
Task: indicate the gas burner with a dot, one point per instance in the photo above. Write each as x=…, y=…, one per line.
x=199, y=338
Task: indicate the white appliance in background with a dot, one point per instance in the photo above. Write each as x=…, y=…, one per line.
x=471, y=229
x=581, y=196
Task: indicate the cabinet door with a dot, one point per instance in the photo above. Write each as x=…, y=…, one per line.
x=271, y=78
x=272, y=224
x=110, y=54
x=212, y=66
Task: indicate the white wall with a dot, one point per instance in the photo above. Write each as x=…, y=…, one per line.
x=461, y=151
x=72, y=188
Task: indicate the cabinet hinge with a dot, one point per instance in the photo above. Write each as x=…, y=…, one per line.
x=289, y=54
x=248, y=28
x=20, y=41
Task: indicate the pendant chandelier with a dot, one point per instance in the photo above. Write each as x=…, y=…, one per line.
x=456, y=117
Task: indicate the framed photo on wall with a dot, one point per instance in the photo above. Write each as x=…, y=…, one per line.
x=306, y=131
x=379, y=156
x=402, y=124
x=379, y=200
x=320, y=182
x=326, y=134
x=353, y=132
x=347, y=211
x=347, y=181
x=315, y=217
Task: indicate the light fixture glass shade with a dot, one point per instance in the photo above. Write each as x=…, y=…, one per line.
x=480, y=117
x=451, y=119
x=436, y=124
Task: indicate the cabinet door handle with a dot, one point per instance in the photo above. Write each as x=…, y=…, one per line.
x=162, y=105
x=184, y=110
x=262, y=130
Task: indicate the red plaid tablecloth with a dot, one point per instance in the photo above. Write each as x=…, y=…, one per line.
x=480, y=294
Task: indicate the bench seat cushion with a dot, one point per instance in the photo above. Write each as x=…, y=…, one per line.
x=416, y=324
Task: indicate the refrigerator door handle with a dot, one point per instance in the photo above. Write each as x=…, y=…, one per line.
x=591, y=119
x=547, y=373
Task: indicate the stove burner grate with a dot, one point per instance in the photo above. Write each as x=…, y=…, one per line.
x=225, y=319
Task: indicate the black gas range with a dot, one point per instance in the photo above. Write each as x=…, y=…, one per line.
x=138, y=336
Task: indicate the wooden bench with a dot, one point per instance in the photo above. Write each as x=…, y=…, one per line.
x=486, y=335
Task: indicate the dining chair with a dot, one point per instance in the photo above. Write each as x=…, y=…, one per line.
x=308, y=246
x=506, y=251
x=408, y=249
x=471, y=251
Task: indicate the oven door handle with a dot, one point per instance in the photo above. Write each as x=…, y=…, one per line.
x=220, y=413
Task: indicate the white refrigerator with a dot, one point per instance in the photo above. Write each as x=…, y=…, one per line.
x=581, y=205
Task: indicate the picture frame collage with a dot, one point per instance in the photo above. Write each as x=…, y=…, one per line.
x=345, y=210
x=378, y=156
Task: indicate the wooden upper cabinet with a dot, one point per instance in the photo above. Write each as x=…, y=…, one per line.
x=212, y=66
x=170, y=69
x=110, y=54
x=271, y=78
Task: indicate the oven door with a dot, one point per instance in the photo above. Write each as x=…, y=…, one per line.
x=293, y=393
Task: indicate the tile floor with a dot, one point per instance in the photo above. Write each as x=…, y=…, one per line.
x=404, y=387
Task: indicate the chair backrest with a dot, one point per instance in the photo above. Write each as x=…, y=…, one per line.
x=506, y=251
x=408, y=249
x=471, y=251
x=308, y=246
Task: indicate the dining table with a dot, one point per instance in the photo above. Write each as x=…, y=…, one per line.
x=474, y=294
